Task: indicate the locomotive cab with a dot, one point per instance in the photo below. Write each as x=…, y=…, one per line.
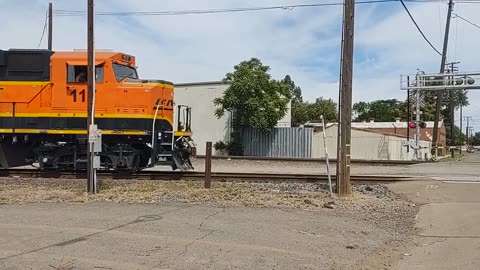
x=43, y=110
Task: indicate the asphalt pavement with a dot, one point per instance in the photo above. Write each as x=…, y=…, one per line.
x=116, y=236
x=120, y=236
x=448, y=222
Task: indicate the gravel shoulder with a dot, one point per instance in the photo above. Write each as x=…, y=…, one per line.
x=275, y=225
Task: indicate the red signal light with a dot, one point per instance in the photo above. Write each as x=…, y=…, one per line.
x=412, y=125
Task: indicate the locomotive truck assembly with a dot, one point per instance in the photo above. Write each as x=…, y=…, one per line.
x=43, y=110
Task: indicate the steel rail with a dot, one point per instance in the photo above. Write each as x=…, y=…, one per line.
x=175, y=175
x=320, y=160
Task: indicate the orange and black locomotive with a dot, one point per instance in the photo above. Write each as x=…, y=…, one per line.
x=43, y=113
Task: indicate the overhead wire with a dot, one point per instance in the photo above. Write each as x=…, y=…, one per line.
x=66, y=13
x=61, y=12
x=44, y=29
x=462, y=18
x=418, y=28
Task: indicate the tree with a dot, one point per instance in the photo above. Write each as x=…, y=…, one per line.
x=303, y=112
x=295, y=90
x=310, y=112
x=457, y=133
x=475, y=140
x=459, y=97
x=379, y=110
x=254, y=99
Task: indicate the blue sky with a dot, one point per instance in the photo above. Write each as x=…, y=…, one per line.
x=303, y=42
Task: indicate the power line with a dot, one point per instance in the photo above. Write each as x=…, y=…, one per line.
x=418, y=28
x=62, y=12
x=460, y=17
x=43, y=32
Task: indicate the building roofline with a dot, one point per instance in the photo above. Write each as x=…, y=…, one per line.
x=422, y=138
x=201, y=83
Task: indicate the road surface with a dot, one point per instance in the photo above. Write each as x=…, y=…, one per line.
x=448, y=222
x=121, y=236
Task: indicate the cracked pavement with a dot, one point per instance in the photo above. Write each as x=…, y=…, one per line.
x=116, y=236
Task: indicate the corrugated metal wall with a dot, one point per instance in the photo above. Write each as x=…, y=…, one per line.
x=288, y=142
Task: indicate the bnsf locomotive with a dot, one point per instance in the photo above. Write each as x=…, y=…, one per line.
x=43, y=113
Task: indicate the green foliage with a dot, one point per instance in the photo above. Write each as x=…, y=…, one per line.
x=233, y=147
x=255, y=99
x=475, y=140
x=390, y=109
x=380, y=110
x=459, y=97
x=305, y=111
x=295, y=90
x=459, y=137
x=219, y=146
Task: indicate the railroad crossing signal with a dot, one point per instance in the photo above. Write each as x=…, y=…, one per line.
x=414, y=125
x=440, y=81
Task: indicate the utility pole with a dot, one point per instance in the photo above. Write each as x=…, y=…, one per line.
x=442, y=70
x=409, y=117
x=417, y=119
x=50, y=24
x=345, y=106
x=468, y=126
x=91, y=173
x=417, y=124
x=452, y=69
x=461, y=127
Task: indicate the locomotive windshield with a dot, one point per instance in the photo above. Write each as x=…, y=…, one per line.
x=122, y=72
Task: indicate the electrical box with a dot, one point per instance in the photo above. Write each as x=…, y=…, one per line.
x=95, y=137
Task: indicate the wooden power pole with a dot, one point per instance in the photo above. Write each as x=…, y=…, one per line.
x=345, y=106
x=442, y=70
x=50, y=25
x=91, y=174
x=461, y=127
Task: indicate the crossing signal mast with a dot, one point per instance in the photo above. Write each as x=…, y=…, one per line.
x=436, y=82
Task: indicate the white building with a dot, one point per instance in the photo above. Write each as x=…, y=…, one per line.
x=369, y=145
x=205, y=125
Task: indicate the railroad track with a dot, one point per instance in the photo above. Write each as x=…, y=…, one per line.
x=319, y=160
x=216, y=176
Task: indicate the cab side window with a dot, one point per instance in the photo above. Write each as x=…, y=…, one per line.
x=78, y=74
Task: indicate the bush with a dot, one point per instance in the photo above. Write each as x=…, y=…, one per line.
x=232, y=148
x=219, y=146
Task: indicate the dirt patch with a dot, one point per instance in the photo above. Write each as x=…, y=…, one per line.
x=372, y=203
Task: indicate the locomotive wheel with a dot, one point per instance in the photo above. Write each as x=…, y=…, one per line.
x=136, y=163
